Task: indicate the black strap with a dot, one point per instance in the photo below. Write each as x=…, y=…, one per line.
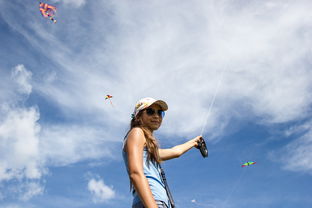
x=163, y=177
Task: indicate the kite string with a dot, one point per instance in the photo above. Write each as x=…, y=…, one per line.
x=234, y=187
x=212, y=103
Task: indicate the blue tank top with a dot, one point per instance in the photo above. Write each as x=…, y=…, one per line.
x=152, y=173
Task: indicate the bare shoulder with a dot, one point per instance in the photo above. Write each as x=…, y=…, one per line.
x=135, y=138
x=136, y=132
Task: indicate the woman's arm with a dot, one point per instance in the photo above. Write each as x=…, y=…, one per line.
x=177, y=151
x=134, y=148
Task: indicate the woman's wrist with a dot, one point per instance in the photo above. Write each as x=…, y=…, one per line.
x=192, y=143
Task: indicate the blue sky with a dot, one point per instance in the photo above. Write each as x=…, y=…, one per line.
x=60, y=141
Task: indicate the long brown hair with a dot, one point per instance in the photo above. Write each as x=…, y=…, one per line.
x=151, y=142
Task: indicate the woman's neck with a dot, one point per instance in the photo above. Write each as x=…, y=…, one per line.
x=148, y=129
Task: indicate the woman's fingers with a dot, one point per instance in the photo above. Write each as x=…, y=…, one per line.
x=197, y=140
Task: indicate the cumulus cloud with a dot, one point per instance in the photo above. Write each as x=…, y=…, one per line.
x=100, y=191
x=19, y=129
x=28, y=148
x=19, y=144
x=19, y=139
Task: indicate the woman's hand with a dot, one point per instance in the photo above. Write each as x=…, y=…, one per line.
x=196, y=140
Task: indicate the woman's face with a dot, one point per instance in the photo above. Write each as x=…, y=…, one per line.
x=151, y=118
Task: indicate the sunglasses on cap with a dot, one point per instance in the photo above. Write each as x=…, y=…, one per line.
x=151, y=112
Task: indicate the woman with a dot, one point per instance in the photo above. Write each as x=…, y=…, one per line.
x=143, y=156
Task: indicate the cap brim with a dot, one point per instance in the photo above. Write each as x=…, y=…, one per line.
x=162, y=104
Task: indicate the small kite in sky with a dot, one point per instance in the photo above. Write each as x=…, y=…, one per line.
x=248, y=163
x=109, y=97
x=47, y=11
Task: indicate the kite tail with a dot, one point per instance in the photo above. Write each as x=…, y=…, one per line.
x=111, y=103
x=234, y=187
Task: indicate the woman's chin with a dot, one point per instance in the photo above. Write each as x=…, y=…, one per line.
x=155, y=127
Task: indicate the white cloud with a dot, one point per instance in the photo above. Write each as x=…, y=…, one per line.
x=19, y=144
x=22, y=77
x=75, y=3
x=19, y=157
x=27, y=148
x=15, y=85
x=20, y=161
x=298, y=129
x=297, y=155
x=67, y=144
x=160, y=50
x=183, y=55
x=29, y=190
x=100, y=191
x=175, y=51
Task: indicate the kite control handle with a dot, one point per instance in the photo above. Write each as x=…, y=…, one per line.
x=202, y=147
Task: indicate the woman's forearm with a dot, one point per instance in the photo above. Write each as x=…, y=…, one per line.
x=182, y=148
x=177, y=151
x=141, y=186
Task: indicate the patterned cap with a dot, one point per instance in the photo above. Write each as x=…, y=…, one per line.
x=146, y=102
